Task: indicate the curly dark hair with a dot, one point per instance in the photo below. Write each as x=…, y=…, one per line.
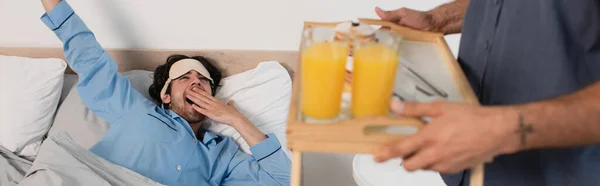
x=161, y=74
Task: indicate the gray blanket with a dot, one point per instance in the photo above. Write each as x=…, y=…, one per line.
x=12, y=167
x=66, y=163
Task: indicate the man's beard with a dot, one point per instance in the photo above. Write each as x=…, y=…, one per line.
x=189, y=114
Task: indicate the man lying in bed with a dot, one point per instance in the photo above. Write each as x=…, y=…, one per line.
x=165, y=142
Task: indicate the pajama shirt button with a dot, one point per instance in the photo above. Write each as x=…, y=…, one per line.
x=178, y=167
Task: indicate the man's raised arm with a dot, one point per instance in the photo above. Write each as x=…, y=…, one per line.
x=102, y=89
x=50, y=4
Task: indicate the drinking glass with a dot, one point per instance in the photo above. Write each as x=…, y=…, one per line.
x=375, y=63
x=323, y=59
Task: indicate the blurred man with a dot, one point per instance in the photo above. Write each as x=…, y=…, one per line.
x=534, y=66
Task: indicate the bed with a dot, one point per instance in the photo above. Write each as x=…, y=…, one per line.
x=132, y=63
x=230, y=61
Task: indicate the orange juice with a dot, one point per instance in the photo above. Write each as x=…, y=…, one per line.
x=323, y=70
x=373, y=79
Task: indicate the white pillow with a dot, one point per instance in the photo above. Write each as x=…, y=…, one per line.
x=69, y=81
x=31, y=89
x=263, y=95
x=74, y=118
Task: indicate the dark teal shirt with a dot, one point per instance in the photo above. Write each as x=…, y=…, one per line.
x=519, y=51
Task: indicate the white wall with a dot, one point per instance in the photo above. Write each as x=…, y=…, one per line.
x=192, y=24
x=204, y=24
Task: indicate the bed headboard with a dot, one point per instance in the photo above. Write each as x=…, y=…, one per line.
x=229, y=61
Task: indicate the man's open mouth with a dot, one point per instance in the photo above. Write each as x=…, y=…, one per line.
x=189, y=101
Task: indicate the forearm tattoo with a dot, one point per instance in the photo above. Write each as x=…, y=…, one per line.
x=524, y=129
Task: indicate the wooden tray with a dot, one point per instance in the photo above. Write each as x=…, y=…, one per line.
x=352, y=136
x=349, y=136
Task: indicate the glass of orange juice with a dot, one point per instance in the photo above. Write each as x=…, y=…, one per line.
x=323, y=61
x=375, y=63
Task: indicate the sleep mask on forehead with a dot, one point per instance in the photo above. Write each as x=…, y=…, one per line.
x=181, y=68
